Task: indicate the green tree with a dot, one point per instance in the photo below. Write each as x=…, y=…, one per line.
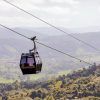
x=49, y=98
x=37, y=98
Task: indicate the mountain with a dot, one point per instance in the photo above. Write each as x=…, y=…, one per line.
x=86, y=29
x=53, y=63
x=83, y=84
x=56, y=81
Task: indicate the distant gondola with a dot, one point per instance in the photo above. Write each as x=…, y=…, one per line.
x=31, y=63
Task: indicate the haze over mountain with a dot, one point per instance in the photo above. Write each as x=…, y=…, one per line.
x=46, y=31
x=12, y=45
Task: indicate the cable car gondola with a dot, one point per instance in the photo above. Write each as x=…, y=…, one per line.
x=31, y=63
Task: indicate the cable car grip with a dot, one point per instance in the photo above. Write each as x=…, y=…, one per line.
x=34, y=48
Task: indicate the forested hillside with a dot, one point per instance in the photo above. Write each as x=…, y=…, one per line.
x=82, y=84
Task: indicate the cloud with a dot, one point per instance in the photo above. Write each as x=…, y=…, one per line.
x=55, y=10
x=14, y=17
x=99, y=9
x=65, y=1
x=70, y=13
x=59, y=3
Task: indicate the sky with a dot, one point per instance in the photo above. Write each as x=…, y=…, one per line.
x=61, y=13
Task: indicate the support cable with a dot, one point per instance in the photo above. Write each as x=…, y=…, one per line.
x=89, y=45
x=45, y=45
